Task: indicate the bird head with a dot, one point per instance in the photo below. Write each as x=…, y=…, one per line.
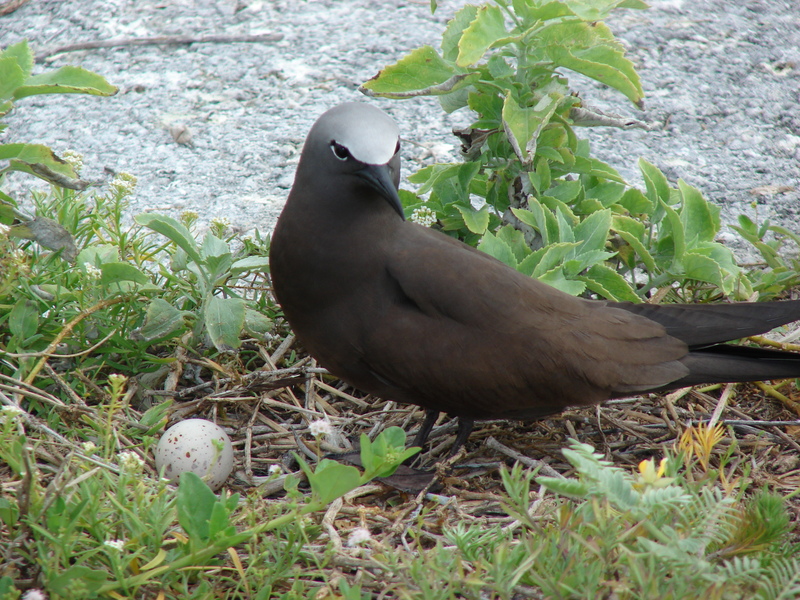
x=360, y=141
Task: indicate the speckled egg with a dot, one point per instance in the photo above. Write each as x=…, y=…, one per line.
x=199, y=446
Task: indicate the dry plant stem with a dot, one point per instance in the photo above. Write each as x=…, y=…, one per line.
x=723, y=402
x=166, y=39
x=327, y=523
x=764, y=341
x=544, y=468
x=65, y=332
x=771, y=391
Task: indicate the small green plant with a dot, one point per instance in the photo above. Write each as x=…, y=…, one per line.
x=529, y=192
x=109, y=530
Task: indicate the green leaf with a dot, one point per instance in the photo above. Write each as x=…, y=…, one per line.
x=556, y=279
x=633, y=232
x=11, y=77
x=636, y=202
x=553, y=256
x=155, y=417
x=423, y=72
x=571, y=488
x=486, y=29
x=20, y=52
x=255, y=323
x=515, y=240
x=592, y=232
x=497, y=248
x=655, y=183
x=703, y=268
x=455, y=29
x=195, y=503
x=66, y=80
x=476, y=220
x=523, y=125
x=605, y=281
x=23, y=320
x=116, y=272
x=674, y=228
x=250, y=264
x=224, y=320
x=173, y=230
x=700, y=218
x=330, y=480
x=161, y=320
x=77, y=577
x=592, y=50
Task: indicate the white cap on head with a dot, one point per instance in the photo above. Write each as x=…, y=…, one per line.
x=367, y=132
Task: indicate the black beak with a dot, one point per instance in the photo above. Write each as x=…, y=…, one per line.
x=380, y=178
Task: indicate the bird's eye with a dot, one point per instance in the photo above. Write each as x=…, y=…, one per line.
x=340, y=151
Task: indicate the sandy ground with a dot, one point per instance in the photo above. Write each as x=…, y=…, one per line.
x=724, y=75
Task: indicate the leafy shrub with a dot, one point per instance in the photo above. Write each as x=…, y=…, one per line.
x=529, y=192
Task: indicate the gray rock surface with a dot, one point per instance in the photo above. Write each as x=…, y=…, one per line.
x=723, y=74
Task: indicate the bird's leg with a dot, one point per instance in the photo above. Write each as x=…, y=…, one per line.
x=425, y=428
x=464, y=429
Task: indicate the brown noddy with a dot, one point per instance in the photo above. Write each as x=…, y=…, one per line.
x=412, y=315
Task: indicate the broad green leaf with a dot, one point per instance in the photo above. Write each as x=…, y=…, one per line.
x=33, y=154
x=11, y=77
x=515, y=240
x=540, y=218
x=98, y=254
x=173, y=230
x=592, y=232
x=23, y=320
x=556, y=279
x=116, y=272
x=747, y=225
x=330, y=480
x=636, y=202
x=20, y=52
x=161, y=320
x=476, y=220
x=633, y=232
x=700, y=218
x=566, y=232
x=455, y=29
x=487, y=28
x=250, y=264
x=523, y=125
x=703, y=268
x=213, y=246
x=597, y=10
x=87, y=580
x=195, y=503
x=577, y=263
x=530, y=13
x=605, y=281
x=255, y=323
x=421, y=71
x=607, y=192
x=655, y=183
x=595, y=167
x=552, y=257
x=674, y=228
x=497, y=248
x=66, y=80
x=224, y=319
x=566, y=191
x=590, y=49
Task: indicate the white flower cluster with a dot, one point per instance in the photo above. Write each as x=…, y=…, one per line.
x=74, y=159
x=358, y=536
x=7, y=413
x=130, y=461
x=424, y=215
x=92, y=272
x=116, y=544
x=320, y=427
x=123, y=184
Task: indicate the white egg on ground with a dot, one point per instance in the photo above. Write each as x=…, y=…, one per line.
x=195, y=445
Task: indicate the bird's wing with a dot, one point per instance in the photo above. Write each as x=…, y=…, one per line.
x=470, y=334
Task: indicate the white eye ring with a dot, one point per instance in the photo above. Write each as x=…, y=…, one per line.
x=339, y=151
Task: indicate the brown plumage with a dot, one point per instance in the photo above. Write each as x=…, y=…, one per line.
x=409, y=314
